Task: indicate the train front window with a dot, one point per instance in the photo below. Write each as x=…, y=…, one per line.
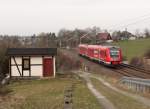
x=114, y=52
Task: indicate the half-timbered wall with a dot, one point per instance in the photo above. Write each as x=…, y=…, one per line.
x=36, y=66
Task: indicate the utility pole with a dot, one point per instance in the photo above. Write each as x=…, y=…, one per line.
x=126, y=33
x=48, y=40
x=95, y=36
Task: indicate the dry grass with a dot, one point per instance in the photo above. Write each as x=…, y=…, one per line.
x=119, y=100
x=46, y=94
x=114, y=81
x=83, y=98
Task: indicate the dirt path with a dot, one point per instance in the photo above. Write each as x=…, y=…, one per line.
x=141, y=99
x=102, y=100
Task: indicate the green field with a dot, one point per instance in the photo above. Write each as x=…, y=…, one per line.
x=134, y=48
x=47, y=94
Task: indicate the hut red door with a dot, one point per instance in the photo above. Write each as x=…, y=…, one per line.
x=47, y=67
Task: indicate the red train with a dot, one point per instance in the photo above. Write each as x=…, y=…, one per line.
x=109, y=55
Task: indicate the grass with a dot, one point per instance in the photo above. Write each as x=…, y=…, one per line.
x=82, y=95
x=119, y=100
x=134, y=48
x=47, y=94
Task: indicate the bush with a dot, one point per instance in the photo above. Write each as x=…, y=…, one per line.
x=65, y=62
x=136, y=61
x=147, y=54
x=4, y=63
x=124, y=58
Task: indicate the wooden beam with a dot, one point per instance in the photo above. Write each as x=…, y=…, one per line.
x=10, y=67
x=22, y=65
x=30, y=66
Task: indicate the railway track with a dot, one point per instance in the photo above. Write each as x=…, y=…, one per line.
x=121, y=70
x=128, y=71
x=136, y=68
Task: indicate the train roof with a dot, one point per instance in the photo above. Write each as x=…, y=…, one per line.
x=98, y=46
x=110, y=46
x=94, y=46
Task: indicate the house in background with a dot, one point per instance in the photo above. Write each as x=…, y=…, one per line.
x=101, y=37
x=132, y=38
x=32, y=62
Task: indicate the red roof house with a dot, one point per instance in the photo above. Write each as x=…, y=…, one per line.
x=103, y=36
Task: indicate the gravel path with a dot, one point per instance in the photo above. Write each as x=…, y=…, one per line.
x=102, y=99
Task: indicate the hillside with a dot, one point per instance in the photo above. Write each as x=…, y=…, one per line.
x=134, y=48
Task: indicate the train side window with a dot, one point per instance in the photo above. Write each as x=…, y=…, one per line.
x=102, y=53
x=95, y=51
x=105, y=53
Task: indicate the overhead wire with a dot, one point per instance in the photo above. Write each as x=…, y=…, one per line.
x=131, y=21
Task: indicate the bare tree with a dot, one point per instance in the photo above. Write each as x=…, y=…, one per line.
x=147, y=33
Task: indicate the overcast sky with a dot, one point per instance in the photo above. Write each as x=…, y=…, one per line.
x=26, y=17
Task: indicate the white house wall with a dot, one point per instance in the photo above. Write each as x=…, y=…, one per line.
x=18, y=60
x=26, y=73
x=36, y=66
x=14, y=70
x=36, y=60
x=37, y=70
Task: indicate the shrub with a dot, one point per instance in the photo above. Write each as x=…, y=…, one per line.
x=136, y=61
x=124, y=58
x=65, y=62
x=147, y=54
x=4, y=63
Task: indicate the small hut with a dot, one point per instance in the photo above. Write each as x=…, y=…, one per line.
x=32, y=62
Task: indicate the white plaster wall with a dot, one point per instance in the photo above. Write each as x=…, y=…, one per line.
x=26, y=73
x=36, y=60
x=14, y=70
x=37, y=70
x=18, y=60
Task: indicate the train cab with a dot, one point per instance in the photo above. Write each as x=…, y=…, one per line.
x=115, y=55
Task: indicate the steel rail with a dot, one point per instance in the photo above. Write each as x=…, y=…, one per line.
x=136, y=68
